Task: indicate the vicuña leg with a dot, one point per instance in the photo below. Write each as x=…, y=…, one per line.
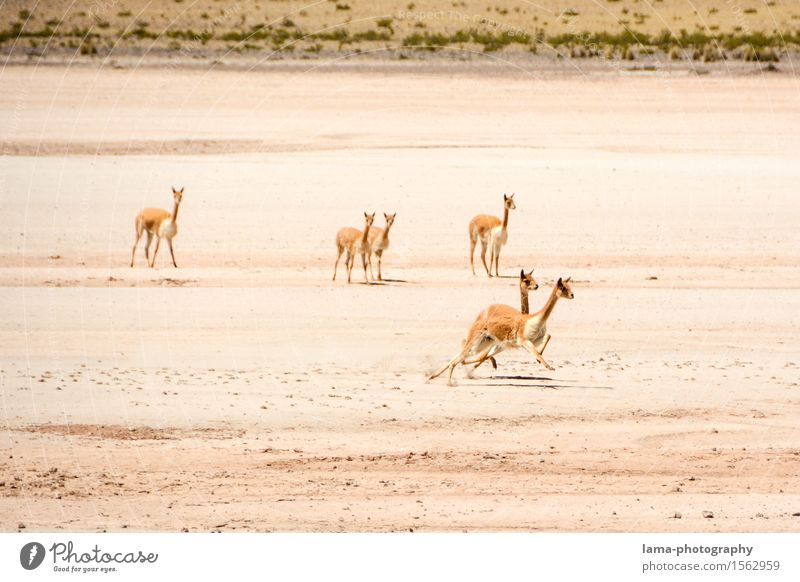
x=336, y=264
x=480, y=343
x=380, y=259
x=472, y=243
x=369, y=262
x=483, y=257
x=496, y=252
x=350, y=260
x=155, y=252
x=546, y=341
x=147, y=246
x=486, y=354
x=532, y=349
x=364, y=262
x=139, y=230
x=171, y=252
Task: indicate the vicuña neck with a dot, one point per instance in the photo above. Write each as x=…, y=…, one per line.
x=551, y=303
x=523, y=299
x=505, y=217
x=385, y=235
x=366, y=234
x=175, y=212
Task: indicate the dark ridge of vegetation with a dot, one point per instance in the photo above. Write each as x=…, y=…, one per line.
x=665, y=40
x=622, y=39
x=431, y=41
x=16, y=31
x=141, y=32
x=11, y=33
x=628, y=44
x=370, y=36
x=492, y=42
x=279, y=36
x=88, y=48
x=339, y=35
x=385, y=23
x=489, y=40
x=203, y=36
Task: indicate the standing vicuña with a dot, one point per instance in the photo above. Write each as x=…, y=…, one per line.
x=379, y=242
x=487, y=228
x=354, y=242
x=159, y=223
x=499, y=327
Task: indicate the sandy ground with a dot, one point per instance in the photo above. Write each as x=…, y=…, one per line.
x=246, y=391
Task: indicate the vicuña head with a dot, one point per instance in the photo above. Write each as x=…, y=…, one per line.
x=177, y=195
x=564, y=288
x=389, y=219
x=526, y=281
x=509, y=202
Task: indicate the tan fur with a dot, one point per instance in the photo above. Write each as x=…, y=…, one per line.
x=499, y=327
x=379, y=242
x=159, y=223
x=526, y=283
x=484, y=228
x=354, y=242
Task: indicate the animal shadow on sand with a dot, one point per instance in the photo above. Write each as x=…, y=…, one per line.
x=385, y=281
x=552, y=383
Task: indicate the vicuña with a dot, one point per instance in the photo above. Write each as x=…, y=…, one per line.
x=499, y=327
x=379, y=242
x=354, y=242
x=490, y=230
x=159, y=223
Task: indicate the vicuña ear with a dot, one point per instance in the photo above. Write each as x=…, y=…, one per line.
x=531, y=273
x=522, y=273
x=505, y=197
x=568, y=279
x=174, y=190
x=182, y=189
x=560, y=282
x=512, y=195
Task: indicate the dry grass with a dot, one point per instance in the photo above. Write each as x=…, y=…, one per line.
x=584, y=27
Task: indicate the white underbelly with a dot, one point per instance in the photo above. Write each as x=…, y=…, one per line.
x=168, y=229
x=535, y=331
x=496, y=344
x=499, y=236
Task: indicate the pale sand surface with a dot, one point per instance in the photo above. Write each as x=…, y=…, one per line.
x=245, y=391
